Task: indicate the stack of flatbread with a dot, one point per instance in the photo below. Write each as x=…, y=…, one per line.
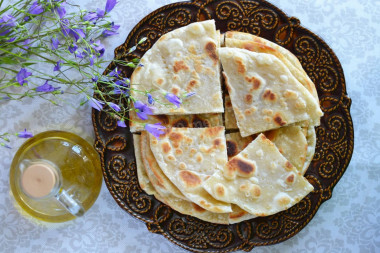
x=225, y=164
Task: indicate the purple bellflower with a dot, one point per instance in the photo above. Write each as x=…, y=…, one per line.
x=90, y=16
x=96, y=104
x=6, y=22
x=25, y=134
x=142, y=110
x=22, y=75
x=72, y=48
x=173, y=99
x=112, y=30
x=57, y=67
x=121, y=123
x=35, y=9
x=115, y=73
x=100, y=13
x=54, y=43
x=110, y=5
x=114, y=106
x=61, y=10
x=150, y=99
x=190, y=94
x=99, y=47
x=46, y=87
x=155, y=129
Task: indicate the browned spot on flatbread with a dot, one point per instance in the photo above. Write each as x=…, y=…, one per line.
x=290, y=178
x=278, y=120
x=271, y=134
x=175, y=90
x=240, y=65
x=164, y=119
x=198, y=208
x=166, y=147
x=269, y=95
x=236, y=215
x=217, y=142
x=211, y=51
x=220, y=190
x=160, y=81
x=288, y=165
x=181, y=123
x=213, y=131
x=192, y=84
x=198, y=122
x=244, y=168
x=248, y=98
x=228, y=104
x=179, y=65
x=189, y=179
x=254, y=81
x=232, y=149
x=175, y=137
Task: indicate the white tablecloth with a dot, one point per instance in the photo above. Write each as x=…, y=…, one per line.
x=348, y=222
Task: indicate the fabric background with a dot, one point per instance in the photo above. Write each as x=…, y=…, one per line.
x=348, y=222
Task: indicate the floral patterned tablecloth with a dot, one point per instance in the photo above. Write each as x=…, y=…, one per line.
x=348, y=222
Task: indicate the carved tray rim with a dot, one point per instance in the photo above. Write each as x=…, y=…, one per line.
x=100, y=145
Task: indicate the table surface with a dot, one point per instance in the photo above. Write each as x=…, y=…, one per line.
x=348, y=222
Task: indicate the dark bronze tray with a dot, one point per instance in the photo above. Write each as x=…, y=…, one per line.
x=335, y=136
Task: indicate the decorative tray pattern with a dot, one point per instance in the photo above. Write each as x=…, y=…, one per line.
x=335, y=135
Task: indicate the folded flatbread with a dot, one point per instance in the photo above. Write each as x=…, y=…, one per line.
x=192, y=121
x=229, y=115
x=262, y=45
x=141, y=173
x=182, y=61
x=264, y=94
x=188, y=156
x=162, y=185
x=259, y=180
x=311, y=142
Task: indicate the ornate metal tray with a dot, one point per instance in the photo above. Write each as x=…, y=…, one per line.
x=334, y=137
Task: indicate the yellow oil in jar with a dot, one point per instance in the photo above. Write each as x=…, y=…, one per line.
x=78, y=166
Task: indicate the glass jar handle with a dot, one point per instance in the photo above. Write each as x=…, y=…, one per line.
x=70, y=204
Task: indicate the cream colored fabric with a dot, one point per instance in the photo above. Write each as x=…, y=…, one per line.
x=181, y=61
x=259, y=180
x=264, y=94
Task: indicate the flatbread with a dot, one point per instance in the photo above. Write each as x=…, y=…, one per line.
x=311, y=142
x=157, y=178
x=182, y=61
x=236, y=143
x=261, y=45
x=292, y=144
x=264, y=94
x=250, y=37
x=229, y=115
x=188, y=156
x=192, y=121
x=141, y=173
x=259, y=180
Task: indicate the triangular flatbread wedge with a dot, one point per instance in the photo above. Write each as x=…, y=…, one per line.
x=182, y=61
x=258, y=47
x=264, y=94
x=259, y=180
x=157, y=178
x=188, y=156
x=290, y=141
